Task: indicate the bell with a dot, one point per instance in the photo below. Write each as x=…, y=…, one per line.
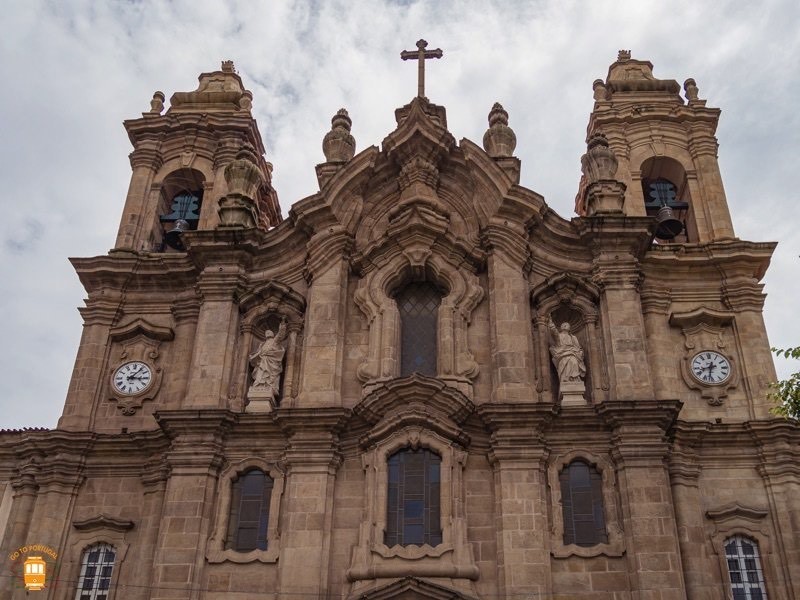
x=668, y=226
x=173, y=236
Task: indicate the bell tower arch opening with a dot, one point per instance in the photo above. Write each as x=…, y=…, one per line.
x=179, y=207
x=666, y=194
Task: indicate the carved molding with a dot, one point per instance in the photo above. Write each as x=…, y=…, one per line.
x=216, y=551
x=102, y=521
x=611, y=510
x=412, y=587
x=142, y=327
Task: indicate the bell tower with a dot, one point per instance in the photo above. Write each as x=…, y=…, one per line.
x=667, y=152
x=179, y=165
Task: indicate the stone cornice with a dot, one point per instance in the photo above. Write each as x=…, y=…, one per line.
x=197, y=439
x=737, y=511
x=128, y=271
x=731, y=259
x=507, y=240
x=517, y=432
x=324, y=249
x=639, y=429
x=313, y=444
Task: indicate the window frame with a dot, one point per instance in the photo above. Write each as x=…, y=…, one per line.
x=216, y=551
x=84, y=562
x=82, y=540
x=762, y=583
x=430, y=370
x=596, y=495
x=615, y=546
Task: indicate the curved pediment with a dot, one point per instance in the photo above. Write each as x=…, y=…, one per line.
x=270, y=296
x=144, y=328
x=101, y=521
x=417, y=401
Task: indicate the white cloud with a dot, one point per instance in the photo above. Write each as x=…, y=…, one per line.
x=74, y=70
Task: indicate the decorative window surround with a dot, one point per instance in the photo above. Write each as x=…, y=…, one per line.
x=100, y=529
x=216, y=551
x=418, y=248
x=615, y=545
x=402, y=416
x=736, y=519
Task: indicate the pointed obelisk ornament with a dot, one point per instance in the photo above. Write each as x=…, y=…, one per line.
x=499, y=140
x=420, y=54
x=339, y=145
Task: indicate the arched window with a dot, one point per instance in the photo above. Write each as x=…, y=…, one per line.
x=744, y=569
x=582, y=505
x=418, y=304
x=249, y=514
x=97, y=565
x=413, y=498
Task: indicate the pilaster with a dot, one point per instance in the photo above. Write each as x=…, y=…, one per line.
x=509, y=314
x=194, y=460
x=312, y=458
x=640, y=448
x=146, y=159
x=518, y=456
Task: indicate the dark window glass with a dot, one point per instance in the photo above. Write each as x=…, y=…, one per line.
x=418, y=304
x=582, y=505
x=97, y=566
x=249, y=516
x=744, y=569
x=413, y=515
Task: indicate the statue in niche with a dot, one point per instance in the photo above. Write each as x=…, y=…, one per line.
x=567, y=353
x=267, y=364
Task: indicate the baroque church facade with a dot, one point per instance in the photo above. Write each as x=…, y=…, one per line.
x=422, y=382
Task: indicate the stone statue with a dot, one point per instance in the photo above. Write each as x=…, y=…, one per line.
x=267, y=363
x=567, y=354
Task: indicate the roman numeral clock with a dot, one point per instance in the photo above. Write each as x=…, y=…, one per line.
x=708, y=364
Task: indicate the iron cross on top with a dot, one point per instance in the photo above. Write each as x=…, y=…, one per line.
x=421, y=54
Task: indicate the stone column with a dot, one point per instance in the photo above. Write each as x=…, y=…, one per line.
x=19, y=520
x=703, y=147
x=699, y=568
x=312, y=459
x=145, y=161
x=154, y=479
x=215, y=336
x=518, y=457
x=655, y=306
x=509, y=315
x=778, y=450
x=194, y=460
x=640, y=450
x=617, y=242
x=323, y=344
x=98, y=317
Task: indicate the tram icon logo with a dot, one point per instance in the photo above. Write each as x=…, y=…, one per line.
x=34, y=567
x=35, y=573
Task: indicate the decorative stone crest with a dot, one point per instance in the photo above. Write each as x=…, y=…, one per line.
x=499, y=141
x=339, y=145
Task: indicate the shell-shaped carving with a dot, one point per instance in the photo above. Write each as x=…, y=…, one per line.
x=599, y=163
x=499, y=140
x=243, y=175
x=338, y=145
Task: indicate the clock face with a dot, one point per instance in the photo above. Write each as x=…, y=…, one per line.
x=710, y=367
x=132, y=377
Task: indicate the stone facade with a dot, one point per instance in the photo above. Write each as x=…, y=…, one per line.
x=685, y=461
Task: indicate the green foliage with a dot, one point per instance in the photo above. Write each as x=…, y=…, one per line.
x=786, y=393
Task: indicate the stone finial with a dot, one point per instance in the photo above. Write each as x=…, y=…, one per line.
x=690, y=87
x=338, y=145
x=227, y=67
x=157, y=103
x=599, y=163
x=623, y=55
x=601, y=92
x=499, y=141
x=602, y=192
x=244, y=177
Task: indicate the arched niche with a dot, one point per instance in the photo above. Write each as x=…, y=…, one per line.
x=569, y=298
x=664, y=180
x=263, y=308
x=179, y=195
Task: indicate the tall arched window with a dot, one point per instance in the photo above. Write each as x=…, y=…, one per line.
x=418, y=304
x=97, y=565
x=249, y=514
x=582, y=505
x=413, y=502
x=744, y=569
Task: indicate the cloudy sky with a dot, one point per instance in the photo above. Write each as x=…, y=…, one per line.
x=75, y=69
